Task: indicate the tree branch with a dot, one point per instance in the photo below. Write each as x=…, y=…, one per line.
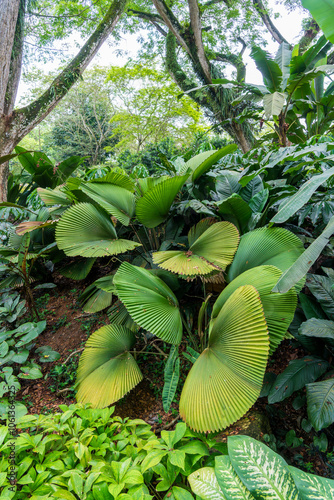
x=195, y=22
x=171, y=22
x=310, y=33
x=235, y=61
x=25, y=119
x=262, y=11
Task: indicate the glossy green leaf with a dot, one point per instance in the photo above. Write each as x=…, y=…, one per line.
x=107, y=371
x=200, y=167
x=149, y=301
x=320, y=403
x=298, y=373
x=302, y=264
x=234, y=209
x=177, y=493
x=78, y=270
x=278, y=308
x=323, y=12
x=153, y=208
x=264, y=473
x=84, y=230
x=227, y=377
x=228, y=480
x=312, y=487
x=172, y=374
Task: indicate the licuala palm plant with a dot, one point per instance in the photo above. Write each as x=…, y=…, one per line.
x=248, y=322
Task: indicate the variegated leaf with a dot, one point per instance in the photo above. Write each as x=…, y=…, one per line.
x=204, y=483
x=232, y=487
x=312, y=487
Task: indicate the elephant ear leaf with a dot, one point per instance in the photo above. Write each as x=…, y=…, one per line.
x=107, y=371
x=264, y=473
x=227, y=378
x=152, y=209
x=265, y=246
x=278, y=308
x=149, y=301
x=84, y=230
x=210, y=250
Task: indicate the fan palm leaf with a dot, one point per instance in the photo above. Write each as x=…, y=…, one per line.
x=84, y=230
x=107, y=371
x=152, y=209
x=149, y=301
x=278, y=308
x=227, y=378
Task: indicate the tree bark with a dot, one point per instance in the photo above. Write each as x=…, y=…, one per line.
x=17, y=124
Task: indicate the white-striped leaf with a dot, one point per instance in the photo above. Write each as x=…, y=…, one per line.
x=230, y=483
x=204, y=483
x=312, y=487
x=264, y=473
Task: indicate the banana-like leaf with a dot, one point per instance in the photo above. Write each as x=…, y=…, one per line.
x=234, y=209
x=264, y=473
x=270, y=70
x=312, y=487
x=77, y=270
x=298, y=200
x=172, y=374
x=31, y=225
x=107, y=371
x=320, y=328
x=278, y=309
x=227, y=377
x=228, y=480
x=115, y=200
x=210, y=250
x=265, y=246
x=149, y=301
x=298, y=373
x=152, y=209
x=283, y=59
x=294, y=273
x=323, y=12
x=84, y=230
x=204, y=484
x=201, y=163
x=320, y=403
x=273, y=104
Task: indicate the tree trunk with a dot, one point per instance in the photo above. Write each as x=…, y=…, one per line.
x=9, y=10
x=15, y=125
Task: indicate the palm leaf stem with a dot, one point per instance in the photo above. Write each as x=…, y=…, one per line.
x=186, y=326
x=138, y=237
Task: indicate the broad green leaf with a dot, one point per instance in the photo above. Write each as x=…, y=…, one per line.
x=107, y=371
x=77, y=270
x=320, y=403
x=227, y=377
x=283, y=58
x=234, y=209
x=53, y=197
x=320, y=328
x=177, y=493
x=265, y=246
x=118, y=179
x=84, y=230
x=210, y=250
x=204, y=483
x=30, y=373
x=149, y=301
x=94, y=299
x=323, y=12
x=152, y=458
x=278, y=309
x=322, y=289
x=304, y=193
x=153, y=208
x=66, y=495
x=270, y=70
x=210, y=161
x=312, y=487
x=273, y=104
x=302, y=264
x=115, y=200
x=172, y=374
x=298, y=373
x=228, y=480
x=264, y=473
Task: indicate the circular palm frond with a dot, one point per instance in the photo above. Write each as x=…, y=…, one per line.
x=226, y=379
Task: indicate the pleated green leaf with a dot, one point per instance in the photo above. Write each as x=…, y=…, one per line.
x=227, y=377
x=204, y=483
x=149, y=301
x=198, y=229
x=320, y=403
x=228, y=480
x=107, y=371
x=211, y=250
x=84, y=230
x=118, y=313
x=278, y=308
x=94, y=299
x=312, y=487
x=78, y=270
x=118, y=179
x=265, y=246
x=264, y=473
x=53, y=197
x=152, y=209
x=298, y=373
x=117, y=201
